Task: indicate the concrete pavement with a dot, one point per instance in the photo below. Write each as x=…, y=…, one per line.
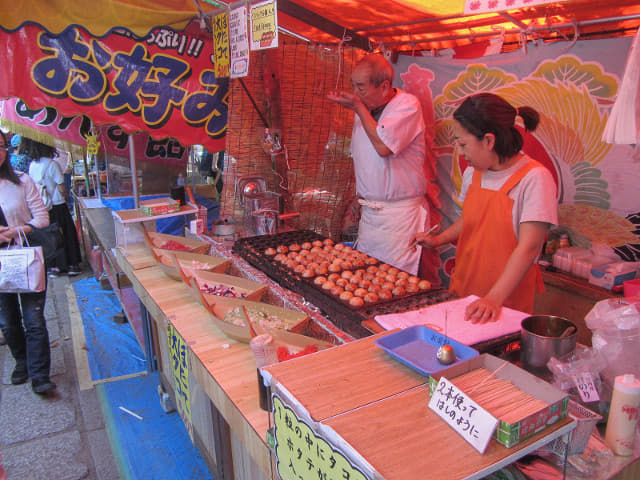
x=62, y=436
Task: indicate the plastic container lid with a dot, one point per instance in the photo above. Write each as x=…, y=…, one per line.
x=628, y=383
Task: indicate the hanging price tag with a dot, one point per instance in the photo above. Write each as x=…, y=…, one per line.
x=466, y=417
x=586, y=387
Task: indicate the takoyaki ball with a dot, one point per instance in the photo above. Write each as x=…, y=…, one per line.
x=342, y=282
x=336, y=291
x=388, y=286
x=391, y=278
x=306, y=245
x=374, y=288
x=294, y=247
x=368, y=276
x=308, y=273
x=356, y=302
x=401, y=282
x=372, y=269
x=282, y=249
x=413, y=279
x=301, y=259
x=315, y=249
x=357, y=279
x=385, y=295
x=360, y=271
x=319, y=280
x=402, y=274
x=365, y=283
x=358, y=263
x=333, y=277
x=424, y=285
x=305, y=252
x=346, y=296
x=334, y=267
x=270, y=251
x=378, y=281
x=328, y=285
x=347, y=265
x=292, y=254
x=381, y=273
x=360, y=292
x=384, y=267
x=348, y=249
x=370, y=261
x=291, y=264
x=347, y=274
x=371, y=298
x=412, y=288
x=339, y=246
x=314, y=265
x=328, y=241
x=317, y=243
x=351, y=287
x=280, y=257
x=321, y=270
x=299, y=268
x=398, y=291
x=393, y=271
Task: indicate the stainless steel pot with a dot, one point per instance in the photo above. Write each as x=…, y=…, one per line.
x=543, y=337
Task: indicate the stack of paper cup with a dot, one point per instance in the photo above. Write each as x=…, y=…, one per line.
x=264, y=350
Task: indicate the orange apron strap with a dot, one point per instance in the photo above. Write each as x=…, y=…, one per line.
x=519, y=175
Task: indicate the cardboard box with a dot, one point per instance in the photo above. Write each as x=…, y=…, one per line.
x=159, y=206
x=510, y=434
x=612, y=274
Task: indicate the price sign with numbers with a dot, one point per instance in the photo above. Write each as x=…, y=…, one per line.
x=466, y=417
x=586, y=387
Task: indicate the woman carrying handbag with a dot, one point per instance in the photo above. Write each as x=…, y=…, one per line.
x=22, y=315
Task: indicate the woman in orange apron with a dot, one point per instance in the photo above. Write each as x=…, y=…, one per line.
x=509, y=202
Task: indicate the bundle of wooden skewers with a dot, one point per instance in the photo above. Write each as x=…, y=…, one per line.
x=499, y=397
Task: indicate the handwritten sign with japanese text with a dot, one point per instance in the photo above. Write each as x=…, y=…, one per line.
x=466, y=417
x=239, y=38
x=264, y=25
x=586, y=387
x=180, y=370
x=300, y=453
x=221, y=44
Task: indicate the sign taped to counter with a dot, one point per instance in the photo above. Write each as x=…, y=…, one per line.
x=180, y=372
x=301, y=453
x=466, y=417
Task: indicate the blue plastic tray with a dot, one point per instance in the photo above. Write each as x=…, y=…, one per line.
x=416, y=347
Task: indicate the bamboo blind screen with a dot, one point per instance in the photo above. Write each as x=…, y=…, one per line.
x=313, y=172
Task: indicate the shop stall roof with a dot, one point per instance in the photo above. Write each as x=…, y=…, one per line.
x=397, y=25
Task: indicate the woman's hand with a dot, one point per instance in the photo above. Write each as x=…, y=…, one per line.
x=427, y=240
x=483, y=310
x=7, y=234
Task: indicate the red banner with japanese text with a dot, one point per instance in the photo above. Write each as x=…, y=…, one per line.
x=48, y=126
x=164, y=84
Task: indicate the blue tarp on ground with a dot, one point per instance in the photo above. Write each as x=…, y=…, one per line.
x=112, y=348
x=157, y=447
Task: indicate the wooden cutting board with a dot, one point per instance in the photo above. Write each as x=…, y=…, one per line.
x=401, y=438
x=345, y=377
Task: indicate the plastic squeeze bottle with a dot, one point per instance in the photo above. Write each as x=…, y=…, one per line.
x=623, y=414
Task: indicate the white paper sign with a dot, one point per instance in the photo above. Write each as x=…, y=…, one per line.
x=586, y=387
x=466, y=417
x=239, y=38
x=264, y=25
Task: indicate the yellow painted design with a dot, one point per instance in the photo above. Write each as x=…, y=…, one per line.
x=601, y=226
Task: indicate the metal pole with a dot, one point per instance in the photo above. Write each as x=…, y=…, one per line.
x=134, y=171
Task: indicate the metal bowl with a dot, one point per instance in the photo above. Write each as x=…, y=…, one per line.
x=543, y=337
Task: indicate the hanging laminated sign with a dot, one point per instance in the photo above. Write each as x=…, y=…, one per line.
x=264, y=25
x=484, y=6
x=239, y=40
x=221, y=44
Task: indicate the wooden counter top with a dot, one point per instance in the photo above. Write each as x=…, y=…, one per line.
x=225, y=369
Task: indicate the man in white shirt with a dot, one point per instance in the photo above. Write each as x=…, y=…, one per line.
x=388, y=148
